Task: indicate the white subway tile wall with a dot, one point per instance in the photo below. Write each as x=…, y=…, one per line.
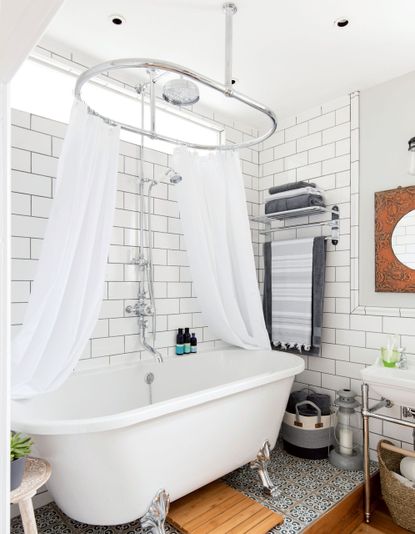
x=321, y=146
x=36, y=143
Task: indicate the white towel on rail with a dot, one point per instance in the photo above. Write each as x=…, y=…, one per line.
x=292, y=281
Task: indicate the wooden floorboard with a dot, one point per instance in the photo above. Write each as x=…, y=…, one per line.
x=219, y=509
x=381, y=523
x=367, y=529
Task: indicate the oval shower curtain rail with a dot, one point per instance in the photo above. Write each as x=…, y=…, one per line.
x=152, y=65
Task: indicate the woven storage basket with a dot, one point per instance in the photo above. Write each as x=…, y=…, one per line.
x=399, y=499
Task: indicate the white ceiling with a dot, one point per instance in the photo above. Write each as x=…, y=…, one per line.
x=287, y=53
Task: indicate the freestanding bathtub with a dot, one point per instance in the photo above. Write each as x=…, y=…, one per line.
x=114, y=440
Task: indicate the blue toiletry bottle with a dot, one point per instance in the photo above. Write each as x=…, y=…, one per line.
x=193, y=344
x=187, y=340
x=180, y=342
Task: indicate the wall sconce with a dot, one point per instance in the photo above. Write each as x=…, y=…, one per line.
x=411, y=150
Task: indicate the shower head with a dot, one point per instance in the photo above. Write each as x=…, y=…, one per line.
x=173, y=177
x=181, y=92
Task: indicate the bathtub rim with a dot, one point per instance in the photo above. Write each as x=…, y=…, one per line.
x=142, y=414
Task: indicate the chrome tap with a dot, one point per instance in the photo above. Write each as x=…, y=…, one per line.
x=143, y=309
x=403, y=362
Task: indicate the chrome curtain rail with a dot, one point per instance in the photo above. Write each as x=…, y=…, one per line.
x=154, y=64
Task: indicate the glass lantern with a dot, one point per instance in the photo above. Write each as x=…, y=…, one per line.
x=346, y=453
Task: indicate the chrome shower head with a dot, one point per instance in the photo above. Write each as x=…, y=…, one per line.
x=181, y=92
x=173, y=177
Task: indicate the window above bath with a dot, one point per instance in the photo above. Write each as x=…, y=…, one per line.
x=45, y=88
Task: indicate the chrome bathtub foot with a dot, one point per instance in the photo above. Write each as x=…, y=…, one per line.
x=154, y=519
x=260, y=464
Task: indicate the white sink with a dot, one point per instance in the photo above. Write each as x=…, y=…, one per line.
x=396, y=385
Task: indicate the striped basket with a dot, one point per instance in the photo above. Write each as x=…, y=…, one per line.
x=308, y=437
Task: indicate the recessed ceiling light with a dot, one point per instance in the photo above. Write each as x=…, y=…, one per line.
x=117, y=20
x=341, y=23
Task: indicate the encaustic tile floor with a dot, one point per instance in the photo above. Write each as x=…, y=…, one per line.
x=308, y=489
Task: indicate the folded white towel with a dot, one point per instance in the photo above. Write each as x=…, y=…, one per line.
x=295, y=193
x=403, y=480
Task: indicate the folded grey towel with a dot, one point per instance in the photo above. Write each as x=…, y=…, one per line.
x=292, y=203
x=288, y=187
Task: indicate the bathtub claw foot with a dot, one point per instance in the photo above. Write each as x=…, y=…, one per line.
x=154, y=519
x=260, y=465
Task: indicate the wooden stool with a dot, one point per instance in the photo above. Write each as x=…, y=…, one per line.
x=36, y=473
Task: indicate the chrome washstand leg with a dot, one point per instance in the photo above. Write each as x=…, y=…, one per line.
x=366, y=460
x=154, y=519
x=260, y=465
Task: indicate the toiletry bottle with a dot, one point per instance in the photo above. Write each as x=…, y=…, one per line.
x=187, y=340
x=193, y=344
x=180, y=342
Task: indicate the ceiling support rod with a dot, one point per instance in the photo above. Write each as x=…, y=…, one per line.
x=230, y=9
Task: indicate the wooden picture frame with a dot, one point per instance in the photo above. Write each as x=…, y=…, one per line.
x=391, y=275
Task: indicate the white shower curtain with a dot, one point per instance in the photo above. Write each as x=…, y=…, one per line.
x=216, y=229
x=69, y=282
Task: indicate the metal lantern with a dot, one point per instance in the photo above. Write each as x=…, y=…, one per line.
x=346, y=453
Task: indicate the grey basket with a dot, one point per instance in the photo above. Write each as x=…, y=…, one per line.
x=308, y=437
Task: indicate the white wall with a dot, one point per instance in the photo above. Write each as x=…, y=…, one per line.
x=321, y=146
x=4, y=307
x=387, y=122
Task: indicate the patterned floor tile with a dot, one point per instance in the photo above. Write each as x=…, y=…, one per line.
x=308, y=489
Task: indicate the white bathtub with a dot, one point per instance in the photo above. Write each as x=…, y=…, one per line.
x=111, y=451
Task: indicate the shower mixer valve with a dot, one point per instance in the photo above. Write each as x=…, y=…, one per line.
x=140, y=261
x=140, y=309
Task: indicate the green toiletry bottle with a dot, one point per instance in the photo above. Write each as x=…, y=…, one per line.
x=180, y=342
x=187, y=340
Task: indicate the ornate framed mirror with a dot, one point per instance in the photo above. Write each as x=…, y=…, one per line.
x=395, y=240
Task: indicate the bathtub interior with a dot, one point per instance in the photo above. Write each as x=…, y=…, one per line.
x=122, y=388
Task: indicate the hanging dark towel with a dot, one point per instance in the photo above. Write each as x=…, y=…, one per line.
x=319, y=266
x=292, y=203
x=267, y=296
x=288, y=187
x=319, y=276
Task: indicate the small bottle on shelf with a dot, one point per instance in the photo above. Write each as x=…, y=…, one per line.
x=193, y=344
x=187, y=340
x=180, y=342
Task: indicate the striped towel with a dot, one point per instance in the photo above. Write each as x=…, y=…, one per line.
x=292, y=287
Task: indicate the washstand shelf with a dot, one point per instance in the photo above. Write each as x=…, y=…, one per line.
x=334, y=223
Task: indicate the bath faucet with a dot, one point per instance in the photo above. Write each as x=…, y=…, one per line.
x=143, y=310
x=157, y=355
